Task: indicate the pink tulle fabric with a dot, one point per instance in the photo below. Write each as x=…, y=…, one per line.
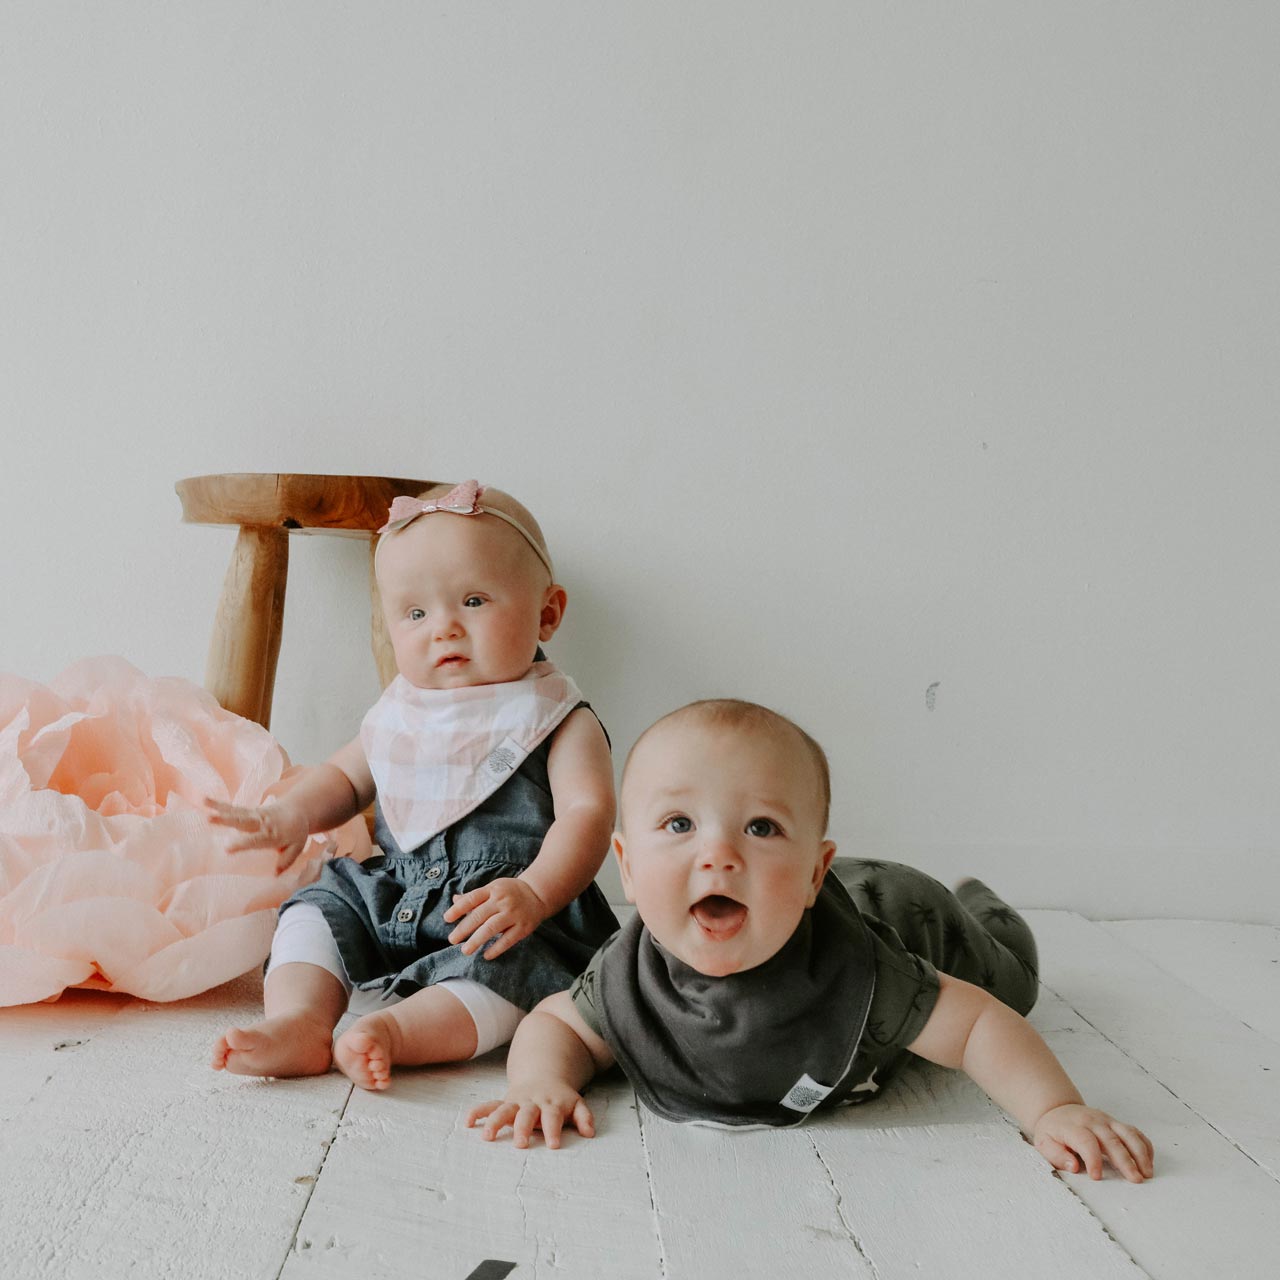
x=110, y=875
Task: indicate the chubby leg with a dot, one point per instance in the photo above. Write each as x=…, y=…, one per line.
x=303, y=1003
x=449, y=1022
x=971, y=934
x=1012, y=955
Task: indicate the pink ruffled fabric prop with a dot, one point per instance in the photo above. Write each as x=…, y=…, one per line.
x=110, y=876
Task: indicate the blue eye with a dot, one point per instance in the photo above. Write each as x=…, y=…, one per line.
x=678, y=824
x=763, y=827
x=473, y=602
x=417, y=615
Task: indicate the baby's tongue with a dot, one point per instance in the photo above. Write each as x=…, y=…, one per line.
x=718, y=914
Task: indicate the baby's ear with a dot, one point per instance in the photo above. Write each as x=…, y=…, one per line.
x=827, y=851
x=624, y=867
x=553, y=606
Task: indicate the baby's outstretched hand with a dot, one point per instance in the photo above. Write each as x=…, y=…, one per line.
x=547, y=1108
x=1074, y=1135
x=506, y=909
x=270, y=826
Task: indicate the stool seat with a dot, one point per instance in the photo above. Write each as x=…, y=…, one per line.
x=267, y=507
x=302, y=502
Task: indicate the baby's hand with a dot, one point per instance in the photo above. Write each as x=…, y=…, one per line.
x=272, y=826
x=1068, y=1135
x=545, y=1107
x=506, y=909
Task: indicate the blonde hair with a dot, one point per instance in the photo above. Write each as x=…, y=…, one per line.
x=735, y=713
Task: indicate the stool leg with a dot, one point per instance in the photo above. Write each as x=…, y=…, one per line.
x=275, y=628
x=241, y=672
x=383, y=655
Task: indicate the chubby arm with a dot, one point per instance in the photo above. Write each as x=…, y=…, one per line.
x=580, y=772
x=1003, y=1053
x=321, y=797
x=553, y=1055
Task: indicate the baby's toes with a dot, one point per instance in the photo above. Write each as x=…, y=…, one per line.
x=379, y=1064
x=360, y=1057
x=242, y=1039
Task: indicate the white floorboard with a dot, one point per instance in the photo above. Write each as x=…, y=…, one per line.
x=1201, y=1215
x=408, y=1191
x=136, y=1158
x=1226, y=1072
x=967, y=1202
x=1234, y=965
x=37, y=1041
x=747, y=1204
x=122, y=1154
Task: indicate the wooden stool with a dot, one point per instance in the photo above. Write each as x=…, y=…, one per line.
x=245, y=647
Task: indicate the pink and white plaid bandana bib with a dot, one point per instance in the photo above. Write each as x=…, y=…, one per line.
x=435, y=754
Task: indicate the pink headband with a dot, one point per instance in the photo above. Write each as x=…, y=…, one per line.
x=462, y=500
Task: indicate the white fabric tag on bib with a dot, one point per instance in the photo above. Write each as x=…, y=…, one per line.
x=505, y=758
x=805, y=1094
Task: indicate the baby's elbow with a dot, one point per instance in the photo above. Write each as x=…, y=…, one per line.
x=591, y=823
x=571, y=1023
x=596, y=809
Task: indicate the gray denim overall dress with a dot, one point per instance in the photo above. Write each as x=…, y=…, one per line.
x=386, y=914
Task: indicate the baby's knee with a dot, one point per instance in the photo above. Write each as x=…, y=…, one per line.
x=495, y=1018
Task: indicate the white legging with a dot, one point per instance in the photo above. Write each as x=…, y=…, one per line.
x=303, y=936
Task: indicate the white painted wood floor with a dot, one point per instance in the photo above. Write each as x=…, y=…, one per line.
x=121, y=1153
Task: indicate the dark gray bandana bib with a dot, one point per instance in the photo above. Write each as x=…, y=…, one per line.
x=762, y=1047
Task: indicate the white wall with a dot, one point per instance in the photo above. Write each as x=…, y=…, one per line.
x=842, y=349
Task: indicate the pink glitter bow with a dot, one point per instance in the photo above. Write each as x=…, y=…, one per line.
x=462, y=500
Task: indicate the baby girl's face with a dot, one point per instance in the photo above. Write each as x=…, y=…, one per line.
x=721, y=847
x=466, y=601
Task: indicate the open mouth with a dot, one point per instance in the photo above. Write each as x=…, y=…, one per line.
x=453, y=660
x=718, y=916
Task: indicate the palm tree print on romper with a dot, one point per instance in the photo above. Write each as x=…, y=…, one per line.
x=924, y=916
x=1006, y=915
x=871, y=890
x=954, y=939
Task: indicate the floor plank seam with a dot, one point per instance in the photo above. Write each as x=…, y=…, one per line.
x=1177, y=977
x=648, y=1177
x=1226, y=1137
x=844, y=1222
x=1173, y=1093
x=311, y=1190
x=1106, y=1230
x=524, y=1213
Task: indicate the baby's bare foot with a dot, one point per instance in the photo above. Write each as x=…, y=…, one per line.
x=366, y=1052
x=290, y=1045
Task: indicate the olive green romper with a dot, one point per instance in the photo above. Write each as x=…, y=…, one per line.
x=851, y=990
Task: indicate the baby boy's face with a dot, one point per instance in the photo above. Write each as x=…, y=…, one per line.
x=721, y=847
x=466, y=601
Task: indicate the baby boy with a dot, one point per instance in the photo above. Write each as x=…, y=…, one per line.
x=759, y=982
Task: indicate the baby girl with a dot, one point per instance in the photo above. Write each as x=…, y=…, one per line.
x=495, y=800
